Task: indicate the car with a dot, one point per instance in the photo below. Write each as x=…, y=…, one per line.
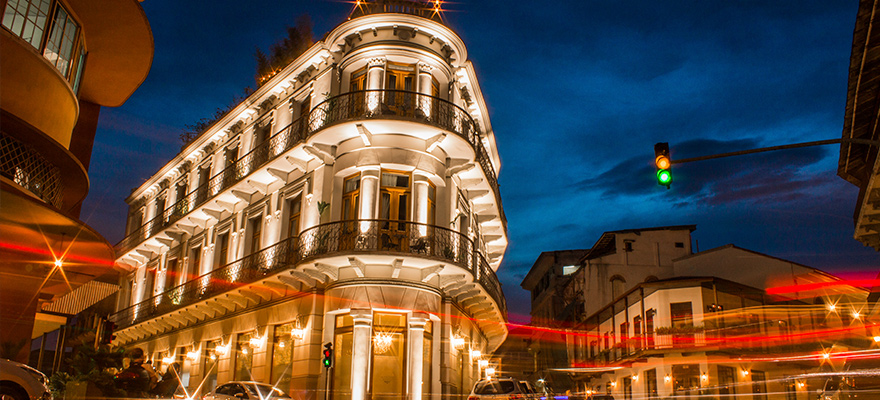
x=245, y=390
x=500, y=389
x=601, y=397
x=22, y=382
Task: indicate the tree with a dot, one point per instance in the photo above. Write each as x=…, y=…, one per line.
x=284, y=51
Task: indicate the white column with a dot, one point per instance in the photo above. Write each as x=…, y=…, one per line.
x=369, y=195
x=416, y=351
x=420, y=201
x=375, y=80
x=425, y=89
x=360, y=354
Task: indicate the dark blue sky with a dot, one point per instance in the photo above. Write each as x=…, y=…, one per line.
x=579, y=91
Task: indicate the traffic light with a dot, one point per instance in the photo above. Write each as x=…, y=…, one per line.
x=663, y=163
x=328, y=355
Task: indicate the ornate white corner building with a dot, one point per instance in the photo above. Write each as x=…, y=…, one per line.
x=352, y=199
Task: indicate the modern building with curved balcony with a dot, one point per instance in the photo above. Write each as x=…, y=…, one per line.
x=60, y=62
x=353, y=200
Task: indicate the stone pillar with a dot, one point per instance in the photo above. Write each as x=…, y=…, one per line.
x=420, y=200
x=369, y=195
x=375, y=81
x=360, y=355
x=416, y=352
x=424, y=82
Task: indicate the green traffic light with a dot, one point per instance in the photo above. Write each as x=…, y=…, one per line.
x=326, y=362
x=664, y=177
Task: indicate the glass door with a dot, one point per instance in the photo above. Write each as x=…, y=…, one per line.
x=394, y=208
x=388, y=371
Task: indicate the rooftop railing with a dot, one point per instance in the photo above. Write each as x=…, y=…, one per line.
x=369, y=236
x=351, y=106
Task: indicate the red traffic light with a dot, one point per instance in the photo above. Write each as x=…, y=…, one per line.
x=328, y=355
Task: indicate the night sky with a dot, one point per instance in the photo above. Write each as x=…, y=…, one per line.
x=578, y=92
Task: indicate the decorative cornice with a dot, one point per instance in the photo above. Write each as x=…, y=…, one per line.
x=376, y=62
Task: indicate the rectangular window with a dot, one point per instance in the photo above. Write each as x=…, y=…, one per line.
x=195, y=263
x=209, y=367
x=726, y=380
x=649, y=328
x=282, y=352
x=172, y=273
x=686, y=379
x=62, y=40
x=294, y=208
x=221, y=256
x=244, y=358
x=27, y=19
x=651, y=383
x=256, y=232
x=759, y=385
x=627, y=388
x=350, y=189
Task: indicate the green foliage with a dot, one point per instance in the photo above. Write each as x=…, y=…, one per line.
x=88, y=364
x=284, y=51
x=679, y=330
x=322, y=206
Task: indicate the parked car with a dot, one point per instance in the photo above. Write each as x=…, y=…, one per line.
x=499, y=389
x=21, y=382
x=245, y=390
x=601, y=397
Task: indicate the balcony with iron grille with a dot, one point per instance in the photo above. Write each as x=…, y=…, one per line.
x=301, y=263
x=389, y=105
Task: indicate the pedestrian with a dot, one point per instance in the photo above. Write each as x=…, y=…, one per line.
x=169, y=383
x=136, y=379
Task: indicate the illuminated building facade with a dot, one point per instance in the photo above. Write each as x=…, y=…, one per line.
x=723, y=322
x=858, y=162
x=60, y=62
x=352, y=199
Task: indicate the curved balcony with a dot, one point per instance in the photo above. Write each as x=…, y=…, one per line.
x=325, y=240
x=347, y=107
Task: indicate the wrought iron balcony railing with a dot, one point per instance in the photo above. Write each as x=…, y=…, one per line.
x=370, y=236
x=351, y=106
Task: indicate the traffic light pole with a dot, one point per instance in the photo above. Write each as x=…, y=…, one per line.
x=782, y=147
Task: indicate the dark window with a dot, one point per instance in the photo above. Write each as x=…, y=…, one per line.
x=726, y=380
x=759, y=385
x=222, y=255
x=679, y=245
x=651, y=383
x=256, y=234
x=294, y=207
x=195, y=261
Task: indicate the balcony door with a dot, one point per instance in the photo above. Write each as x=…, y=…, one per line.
x=400, y=82
x=394, y=210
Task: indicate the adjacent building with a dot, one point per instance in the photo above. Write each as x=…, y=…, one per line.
x=722, y=322
x=60, y=62
x=351, y=200
x=859, y=163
